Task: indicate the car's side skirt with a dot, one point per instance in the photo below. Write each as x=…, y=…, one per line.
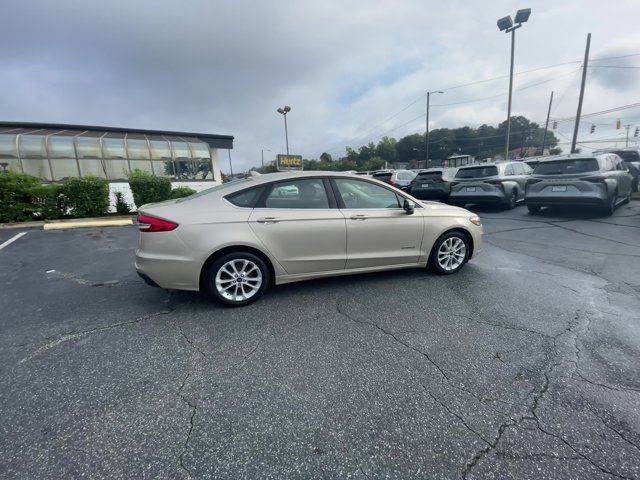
x=281, y=279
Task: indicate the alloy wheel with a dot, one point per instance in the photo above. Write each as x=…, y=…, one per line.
x=238, y=280
x=451, y=253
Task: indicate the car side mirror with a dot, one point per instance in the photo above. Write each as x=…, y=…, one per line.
x=409, y=206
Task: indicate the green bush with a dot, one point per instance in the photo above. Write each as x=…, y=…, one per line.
x=15, y=200
x=148, y=188
x=87, y=196
x=122, y=207
x=47, y=202
x=181, y=192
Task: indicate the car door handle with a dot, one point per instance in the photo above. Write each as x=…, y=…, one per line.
x=268, y=220
x=359, y=217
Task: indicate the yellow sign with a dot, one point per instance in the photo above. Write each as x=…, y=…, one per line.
x=289, y=162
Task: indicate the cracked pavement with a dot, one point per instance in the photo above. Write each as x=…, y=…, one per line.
x=523, y=365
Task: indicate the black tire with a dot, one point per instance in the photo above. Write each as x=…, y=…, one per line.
x=435, y=266
x=611, y=206
x=512, y=200
x=216, y=266
x=628, y=197
x=634, y=185
x=534, y=209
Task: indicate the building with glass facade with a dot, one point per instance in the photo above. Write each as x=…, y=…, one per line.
x=54, y=152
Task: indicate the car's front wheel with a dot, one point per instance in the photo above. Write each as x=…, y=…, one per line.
x=512, y=200
x=238, y=278
x=449, y=253
x=611, y=206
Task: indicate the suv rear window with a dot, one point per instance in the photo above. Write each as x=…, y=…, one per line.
x=477, y=172
x=429, y=175
x=382, y=175
x=628, y=155
x=566, y=167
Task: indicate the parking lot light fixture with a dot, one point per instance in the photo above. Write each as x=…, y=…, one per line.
x=506, y=25
x=283, y=111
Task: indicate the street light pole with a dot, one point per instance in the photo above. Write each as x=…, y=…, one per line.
x=506, y=25
x=426, y=139
x=284, y=112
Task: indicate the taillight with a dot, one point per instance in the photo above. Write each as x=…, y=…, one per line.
x=496, y=183
x=593, y=179
x=531, y=181
x=147, y=223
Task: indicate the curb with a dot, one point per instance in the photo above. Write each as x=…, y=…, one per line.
x=71, y=223
x=87, y=224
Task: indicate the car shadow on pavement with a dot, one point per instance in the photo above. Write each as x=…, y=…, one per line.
x=577, y=212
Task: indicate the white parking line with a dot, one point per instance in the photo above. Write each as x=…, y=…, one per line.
x=12, y=239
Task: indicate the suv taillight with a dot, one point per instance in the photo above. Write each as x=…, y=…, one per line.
x=147, y=223
x=593, y=179
x=497, y=183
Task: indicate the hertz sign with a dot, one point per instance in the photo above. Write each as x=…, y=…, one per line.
x=289, y=162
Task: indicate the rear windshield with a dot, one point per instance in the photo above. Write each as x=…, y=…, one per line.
x=477, y=172
x=382, y=175
x=429, y=175
x=565, y=167
x=628, y=156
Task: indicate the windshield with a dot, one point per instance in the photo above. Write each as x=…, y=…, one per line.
x=566, y=167
x=477, y=172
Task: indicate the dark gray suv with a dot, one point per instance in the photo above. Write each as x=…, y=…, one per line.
x=601, y=180
x=490, y=183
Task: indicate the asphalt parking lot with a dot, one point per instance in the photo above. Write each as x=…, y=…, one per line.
x=523, y=365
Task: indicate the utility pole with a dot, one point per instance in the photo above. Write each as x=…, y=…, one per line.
x=513, y=45
x=262, y=155
x=230, y=167
x=546, y=126
x=584, y=79
x=426, y=135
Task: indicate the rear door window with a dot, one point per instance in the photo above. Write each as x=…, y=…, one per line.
x=306, y=193
x=477, y=172
x=568, y=166
x=246, y=198
x=509, y=169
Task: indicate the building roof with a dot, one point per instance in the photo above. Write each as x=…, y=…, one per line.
x=212, y=139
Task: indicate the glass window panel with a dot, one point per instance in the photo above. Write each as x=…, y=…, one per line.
x=163, y=168
x=184, y=169
x=138, y=149
x=8, y=146
x=181, y=149
x=117, y=168
x=113, y=148
x=32, y=146
x=37, y=167
x=64, y=168
x=89, y=166
x=200, y=150
x=89, y=148
x=61, y=147
x=307, y=193
x=203, y=170
x=360, y=194
x=160, y=150
x=144, y=165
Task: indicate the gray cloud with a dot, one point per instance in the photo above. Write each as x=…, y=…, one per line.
x=224, y=67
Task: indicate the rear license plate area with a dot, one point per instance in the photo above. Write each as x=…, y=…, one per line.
x=470, y=189
x=559, y=188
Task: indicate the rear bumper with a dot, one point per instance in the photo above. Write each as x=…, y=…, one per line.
x=477, y=197
x=168, y=272
x=577, y=193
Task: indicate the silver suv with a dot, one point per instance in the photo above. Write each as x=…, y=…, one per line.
x=490, y=183
x=601, y=180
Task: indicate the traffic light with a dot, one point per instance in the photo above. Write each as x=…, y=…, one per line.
x=618, y=124
x=637, y=132
x=593, y=128
x=555, y=124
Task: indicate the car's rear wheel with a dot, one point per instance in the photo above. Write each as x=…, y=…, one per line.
x=611, y=206
x=449, y=253
x=238, y=278
x=513, y=198
x=628, y=197
x=534, y=209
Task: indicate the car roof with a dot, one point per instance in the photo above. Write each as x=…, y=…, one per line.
x=278, y=176
x=569, y=156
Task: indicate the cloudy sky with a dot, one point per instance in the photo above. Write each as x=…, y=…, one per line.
x=352, y=71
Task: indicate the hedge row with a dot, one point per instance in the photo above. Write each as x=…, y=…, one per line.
x=23, y=197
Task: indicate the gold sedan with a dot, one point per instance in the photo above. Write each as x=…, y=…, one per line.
x=235, y=240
